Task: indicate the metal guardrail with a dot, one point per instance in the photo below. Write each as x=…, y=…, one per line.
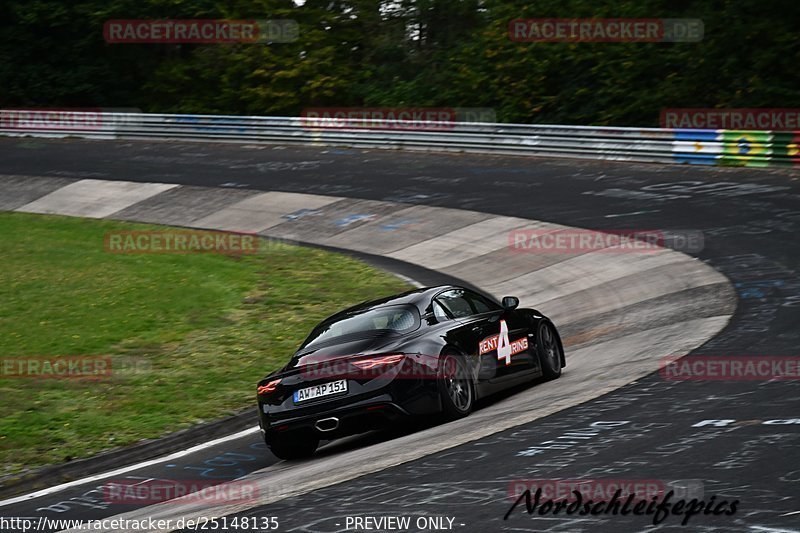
x=712, y=147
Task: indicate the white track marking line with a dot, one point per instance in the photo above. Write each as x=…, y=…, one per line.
x=144, y=464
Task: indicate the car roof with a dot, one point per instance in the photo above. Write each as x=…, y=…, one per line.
x=418, y=297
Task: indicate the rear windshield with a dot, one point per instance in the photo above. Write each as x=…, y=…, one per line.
x=394, y=318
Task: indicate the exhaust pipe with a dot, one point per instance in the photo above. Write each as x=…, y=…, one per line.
x=327, y=424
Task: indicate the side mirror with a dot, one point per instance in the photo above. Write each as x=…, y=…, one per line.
x=510, y=302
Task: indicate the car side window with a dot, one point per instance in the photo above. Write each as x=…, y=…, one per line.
x=456, y=303
x=480, y=303
x=438, y=312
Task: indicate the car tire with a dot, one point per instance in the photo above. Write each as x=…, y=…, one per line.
x=455, y=387
x=293, y=448
x=549, y=350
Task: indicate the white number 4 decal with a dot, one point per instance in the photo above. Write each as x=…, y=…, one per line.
x=503, y=344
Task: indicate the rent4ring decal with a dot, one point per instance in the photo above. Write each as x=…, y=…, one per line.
x=505, y=348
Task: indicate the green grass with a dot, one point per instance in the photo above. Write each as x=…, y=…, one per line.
x=189, y=334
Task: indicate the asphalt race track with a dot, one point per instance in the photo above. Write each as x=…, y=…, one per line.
x=651, y=429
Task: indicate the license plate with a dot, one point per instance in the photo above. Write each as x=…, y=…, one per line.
x=318, y=391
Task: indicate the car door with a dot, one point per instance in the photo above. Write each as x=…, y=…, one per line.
x=480, y=326
x=504, y=343
x=467, y=328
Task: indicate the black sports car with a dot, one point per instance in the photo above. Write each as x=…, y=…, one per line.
x=433, y=350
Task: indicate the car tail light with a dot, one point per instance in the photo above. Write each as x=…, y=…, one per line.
x=370, y=363
x=269, y=387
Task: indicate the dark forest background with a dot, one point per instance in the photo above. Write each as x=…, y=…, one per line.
x=404, y=53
